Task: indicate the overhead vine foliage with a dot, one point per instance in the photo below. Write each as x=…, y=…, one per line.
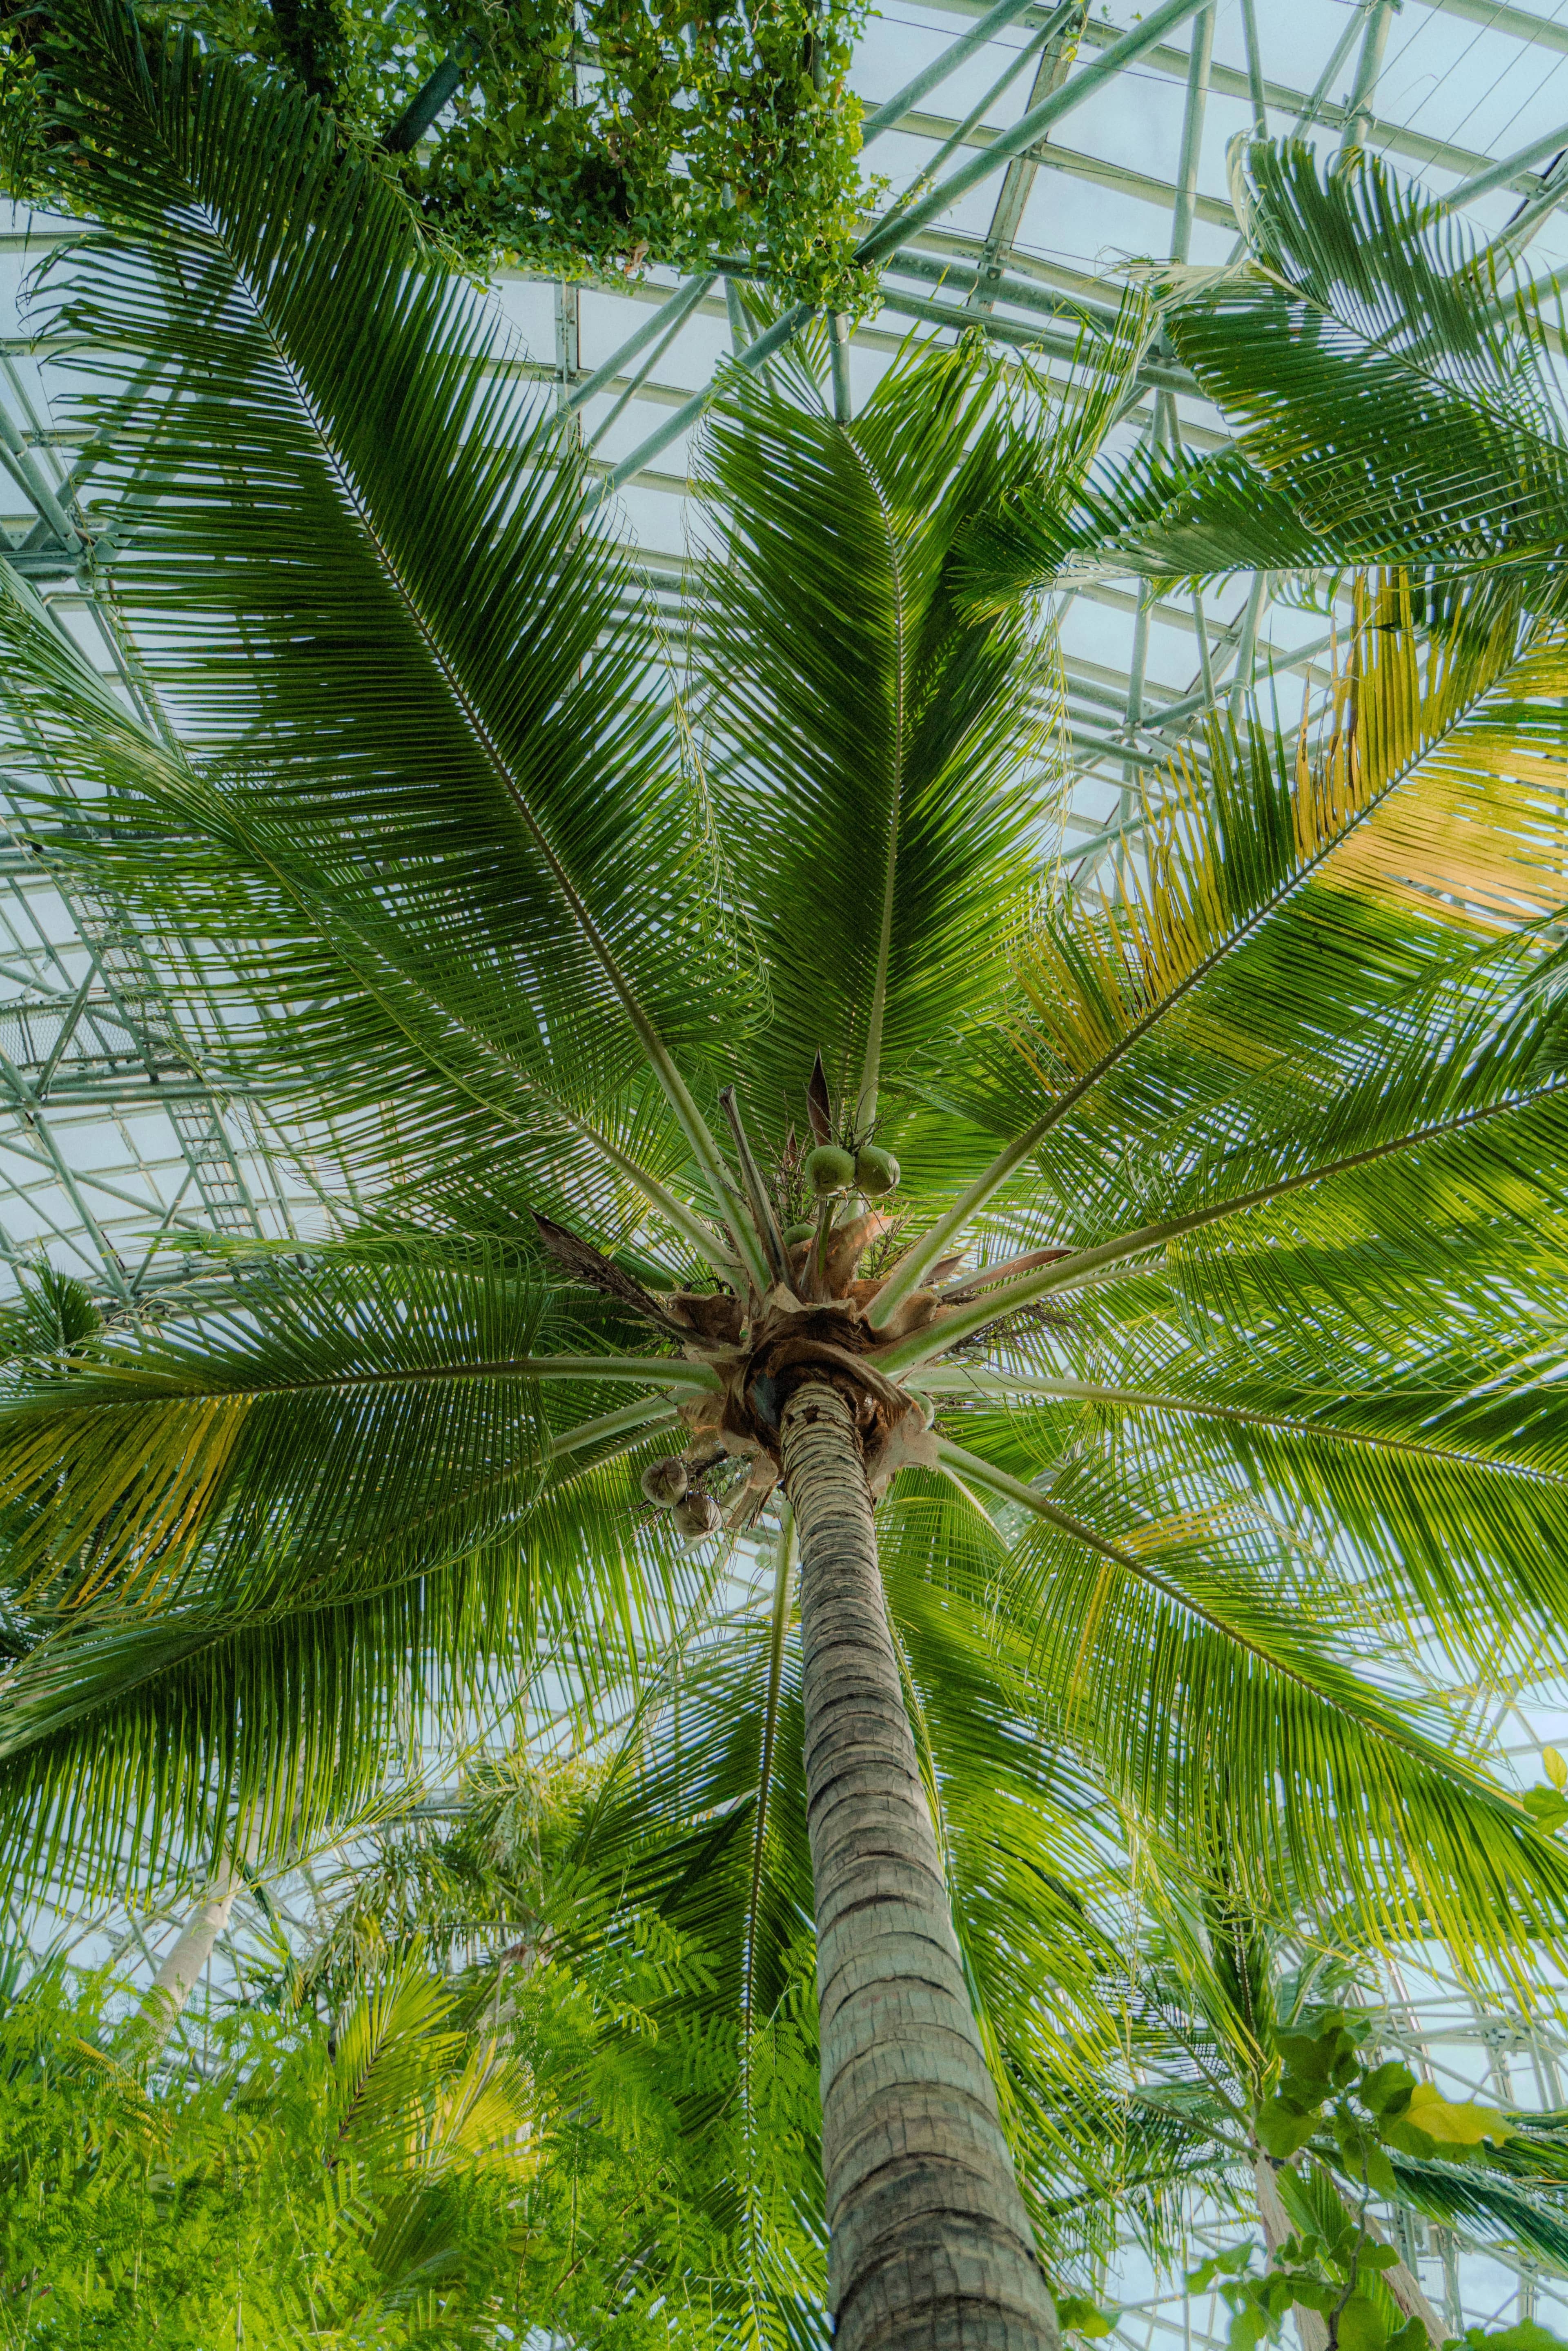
x=585, y=138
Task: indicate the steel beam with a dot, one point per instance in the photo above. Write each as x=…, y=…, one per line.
x=892, y=110
x=1506, y=174
x=1192, y=133
x=1304, y=107
x=756, y=355
x=1369, y=64
x=1055, y=64
x=1028, y=132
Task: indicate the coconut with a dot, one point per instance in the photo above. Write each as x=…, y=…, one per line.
x=876, y=1170
x=830, y=1169
x=666, y=1481
x=696, y=1516
x=796, y=1234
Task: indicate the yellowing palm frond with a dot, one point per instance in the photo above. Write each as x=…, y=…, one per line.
x=1413, y=736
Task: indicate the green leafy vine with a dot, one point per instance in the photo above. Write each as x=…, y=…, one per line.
x=581, y=138
x=1327, y=2103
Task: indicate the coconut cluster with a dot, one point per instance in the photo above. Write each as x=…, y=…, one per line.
x=668, y=1484
x=831, y=1169
x=809, y=1318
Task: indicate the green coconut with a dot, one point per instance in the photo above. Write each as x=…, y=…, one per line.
x=795, y=1234
x=876, y=1170
x=830, y=1169
x=665, y=1481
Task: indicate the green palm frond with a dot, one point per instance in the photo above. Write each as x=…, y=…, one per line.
x=1440, y=366
x=132, y=1734
x=870, y=743
x=1364, y=1470
x=882, y=755
x=1389, y=386
x=1282, y=860
x=343, y=1421
x=1180, y=1647
x=1277, y=940
x=393, y=512
x=1485, y=2206
x=1163, y=513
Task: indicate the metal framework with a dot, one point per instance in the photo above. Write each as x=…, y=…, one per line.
x=1030, y=152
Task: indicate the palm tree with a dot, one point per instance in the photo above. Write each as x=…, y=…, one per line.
x=1174, y=1278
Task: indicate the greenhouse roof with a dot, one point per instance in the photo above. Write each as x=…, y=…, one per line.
x=1043, y=169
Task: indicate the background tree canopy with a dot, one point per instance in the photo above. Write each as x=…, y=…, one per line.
x=579, y=137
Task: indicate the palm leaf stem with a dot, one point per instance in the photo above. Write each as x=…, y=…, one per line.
x=936, y=1381
x=767, y=1224
x=1203, y=2126
x=661, y=1371
x=675, y=1211
x=640, y=1418
x=870, y=1066
x=1070, y=1272
x=970, y=1465
x=777, y=1628
x=659, y=1058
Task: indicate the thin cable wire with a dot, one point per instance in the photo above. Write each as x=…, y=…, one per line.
x=1525, y=49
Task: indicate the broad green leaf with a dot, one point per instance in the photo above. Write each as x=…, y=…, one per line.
x=1283, y=2130
x=1078, y=2315
x=1387, y=2089
x=1447, y=2125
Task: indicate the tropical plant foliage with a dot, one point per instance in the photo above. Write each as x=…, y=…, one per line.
x=1243, y=2050
x=495, y=2090
x=587, y=1916
x=1209, y=1340
x=362, y=2185
x=581, y=137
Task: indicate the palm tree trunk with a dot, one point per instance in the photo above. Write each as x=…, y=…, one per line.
x=1312, y=2327
x=930, y=2247
x=176, y=1978
x=1407, y=2290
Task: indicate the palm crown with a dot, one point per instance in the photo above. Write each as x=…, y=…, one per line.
x=1203, y=1358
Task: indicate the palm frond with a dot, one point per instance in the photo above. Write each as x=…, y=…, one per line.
x=133, y=1734
x=1279, y=937
x=1162, y=1647
x=437, y=878
x=1391, y=394
x=349, y=1420
x=875, y=751
x=1303, y=1423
